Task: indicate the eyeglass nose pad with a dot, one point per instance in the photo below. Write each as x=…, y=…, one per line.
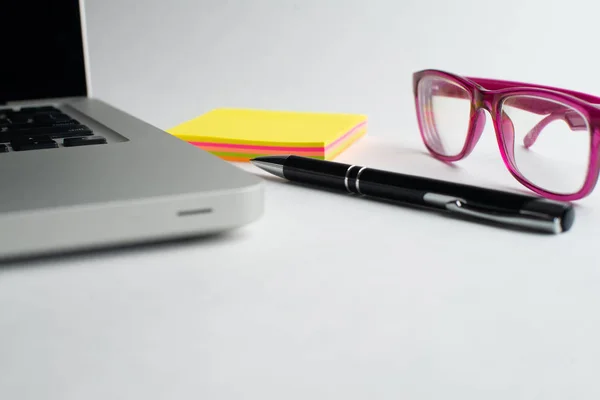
x=508, y=134
x=478, y=126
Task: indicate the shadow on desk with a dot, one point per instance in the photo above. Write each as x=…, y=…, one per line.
x=147, y=247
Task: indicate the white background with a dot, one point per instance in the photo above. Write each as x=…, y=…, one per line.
x=326, y=296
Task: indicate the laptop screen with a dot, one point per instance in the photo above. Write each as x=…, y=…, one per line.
x=41, y=55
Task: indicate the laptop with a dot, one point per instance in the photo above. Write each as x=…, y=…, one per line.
x=78, y=173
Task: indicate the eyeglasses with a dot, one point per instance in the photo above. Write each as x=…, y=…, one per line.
x=549, y=138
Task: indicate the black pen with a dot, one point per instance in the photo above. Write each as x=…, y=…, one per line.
x=528, y=212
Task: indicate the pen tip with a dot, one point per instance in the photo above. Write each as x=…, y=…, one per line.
x=272, y=164
x=276, y=159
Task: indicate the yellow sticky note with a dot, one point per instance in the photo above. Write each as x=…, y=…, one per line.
x=241, y=134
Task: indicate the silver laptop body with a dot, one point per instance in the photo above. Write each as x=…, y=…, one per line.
x=137, y=184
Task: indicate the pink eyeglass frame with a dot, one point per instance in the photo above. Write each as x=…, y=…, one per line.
x=488, y=94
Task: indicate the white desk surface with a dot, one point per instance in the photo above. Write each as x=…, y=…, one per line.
x=326, y=296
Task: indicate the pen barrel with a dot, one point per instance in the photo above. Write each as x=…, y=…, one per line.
x=317, y=172
x=390, y=186
x=470, y=201
x=375, y=182
x=459, y=199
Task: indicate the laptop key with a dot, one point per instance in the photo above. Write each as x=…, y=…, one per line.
x=21, y=119
x=77, y=130
x=24, y=128
x=40, y=109
x=58, y=131
x=59, y=117
x=84, y=141
x=51, y=118
x=5, y=137
x=33, y=143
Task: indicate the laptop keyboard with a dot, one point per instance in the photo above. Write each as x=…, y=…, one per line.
x=35, y=128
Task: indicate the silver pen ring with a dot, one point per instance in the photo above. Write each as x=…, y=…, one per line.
x=358, y=180
x=346, y=178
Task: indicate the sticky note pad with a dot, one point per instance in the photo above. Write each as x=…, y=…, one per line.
x=238, y=134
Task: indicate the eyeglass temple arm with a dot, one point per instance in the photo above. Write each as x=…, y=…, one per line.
x=525, y=103
x=529, y=104
x=495, y=84
x=573, y=119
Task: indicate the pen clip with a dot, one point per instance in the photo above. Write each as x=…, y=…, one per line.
x=539, y=222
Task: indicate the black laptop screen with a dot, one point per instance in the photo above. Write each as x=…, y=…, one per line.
x=41, y=51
